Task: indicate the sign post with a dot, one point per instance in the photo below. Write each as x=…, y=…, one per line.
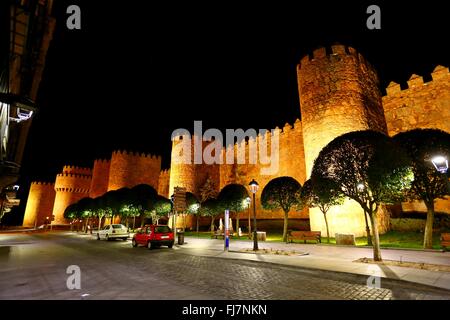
x=227, y=230
x=179, y=205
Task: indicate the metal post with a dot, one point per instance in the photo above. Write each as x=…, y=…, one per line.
x=249, y=225
x=255, y=233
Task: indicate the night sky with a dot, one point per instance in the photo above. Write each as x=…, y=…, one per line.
x=134, y=73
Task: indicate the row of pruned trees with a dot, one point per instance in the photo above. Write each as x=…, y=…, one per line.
x=374, y=169
x=141, y=201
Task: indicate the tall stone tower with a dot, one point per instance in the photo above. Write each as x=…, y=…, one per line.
x=71, y=185
x=338, y=94
x=100, y=178
x=182, y=168
x=39, y=204
x=128, y=169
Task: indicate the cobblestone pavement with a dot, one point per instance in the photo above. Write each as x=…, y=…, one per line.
x=34, y=267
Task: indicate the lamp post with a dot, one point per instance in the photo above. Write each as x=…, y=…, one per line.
x=254, y=186
x=360, y=187
x=248, y=200
x=172, y=198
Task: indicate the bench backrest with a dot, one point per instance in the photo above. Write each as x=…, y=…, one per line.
x=305, y=233
x=445, y=236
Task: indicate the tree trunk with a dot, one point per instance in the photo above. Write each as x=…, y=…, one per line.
x=326, y=224
x=212, y=224
x=285, y=226
x=369, y=238
x=85, y=225
x=428, y=236
x=99, y=223
x=134, y=221
x=376, y=238
x=237, y=224
x=198, y=217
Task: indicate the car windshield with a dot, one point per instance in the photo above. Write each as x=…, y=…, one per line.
x=117, y=226
x=162, y=229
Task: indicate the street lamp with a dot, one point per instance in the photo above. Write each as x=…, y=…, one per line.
x=254, y=186
x=440, y=163
x=248, y=200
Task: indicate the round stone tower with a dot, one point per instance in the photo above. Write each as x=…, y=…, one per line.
x=338, y=94
x=182, y=168
x=128, y=169
x=39, y=204
x=71, y=185
x=100, y=178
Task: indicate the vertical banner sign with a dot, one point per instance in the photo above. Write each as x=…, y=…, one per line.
x=227, y=230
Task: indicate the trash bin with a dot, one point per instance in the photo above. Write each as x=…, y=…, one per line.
x=180, y=237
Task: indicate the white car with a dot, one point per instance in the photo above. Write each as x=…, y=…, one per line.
x=113, y=231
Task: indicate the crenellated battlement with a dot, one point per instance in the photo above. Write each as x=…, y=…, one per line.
x=334, y=54
x=77, y=170
x=73, y=175
x=440, y=74
x=135, y=154
x=102, y=161
x=43, y=183
x=164, y=172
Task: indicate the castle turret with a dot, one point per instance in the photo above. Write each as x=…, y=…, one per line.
x=338, y=94
x=182, y=168
x=70, y=186
x=39, y=204
x=100, y=178
x=128, y=169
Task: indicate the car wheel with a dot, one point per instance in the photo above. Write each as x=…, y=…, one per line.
x=106, y=237
x=98, y=236
x=170, y=245
x=134, y=243
x=150, y=246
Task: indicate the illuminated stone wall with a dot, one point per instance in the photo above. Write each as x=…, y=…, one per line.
x=163, y=183
x=129, y=169
x=40, y=203
x=420, y=105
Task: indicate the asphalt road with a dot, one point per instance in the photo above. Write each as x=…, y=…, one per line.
x=33, y=266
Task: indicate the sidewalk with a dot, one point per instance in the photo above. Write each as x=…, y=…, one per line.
x=331, y=258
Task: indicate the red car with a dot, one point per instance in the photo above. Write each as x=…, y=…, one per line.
x=153, y=236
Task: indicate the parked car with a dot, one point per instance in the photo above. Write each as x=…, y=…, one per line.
x=113, y=231
x=153, y=236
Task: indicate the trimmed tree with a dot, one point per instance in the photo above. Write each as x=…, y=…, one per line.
x=210, y=208
x=233, y=197
x=367, y=167
x=73, y=213
x=144, y=198
x=321, y=193
x=422, y=145
x=192, y=205
x=282, y=193
x=162, y=207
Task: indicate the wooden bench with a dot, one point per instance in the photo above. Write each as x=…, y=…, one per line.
x=304, y=235
x=445, y=240
x=221, y=235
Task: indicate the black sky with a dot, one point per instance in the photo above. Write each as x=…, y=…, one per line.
x=136, y=72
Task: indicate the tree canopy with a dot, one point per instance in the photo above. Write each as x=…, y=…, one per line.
x=366, y=167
